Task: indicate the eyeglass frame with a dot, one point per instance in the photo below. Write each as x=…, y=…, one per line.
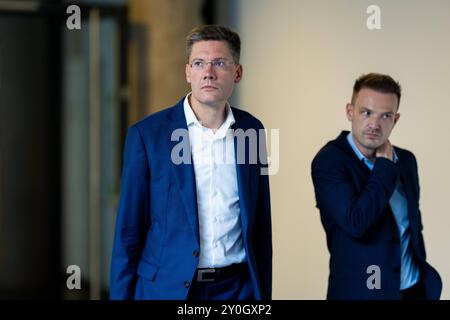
x=215, y=67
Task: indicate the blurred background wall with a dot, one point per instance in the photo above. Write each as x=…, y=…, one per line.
x=67, y=97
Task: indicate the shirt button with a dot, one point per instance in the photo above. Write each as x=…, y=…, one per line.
x=187, y=284
x=195, y=253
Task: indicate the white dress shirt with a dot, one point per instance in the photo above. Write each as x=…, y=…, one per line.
x=219, y=219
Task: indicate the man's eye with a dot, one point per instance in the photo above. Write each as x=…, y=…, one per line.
x=386, y=116
x=198, y=64
x=366, y=113
x=219, y=63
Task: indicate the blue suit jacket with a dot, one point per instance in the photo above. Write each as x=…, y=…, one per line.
x=156, y=245
x=359, y=224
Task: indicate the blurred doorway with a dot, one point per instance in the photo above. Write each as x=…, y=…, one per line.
x=62, y=119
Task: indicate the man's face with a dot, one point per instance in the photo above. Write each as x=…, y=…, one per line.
x=212, y=85
x=373, y=116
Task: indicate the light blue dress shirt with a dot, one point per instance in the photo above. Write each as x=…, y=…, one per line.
x=409, y=274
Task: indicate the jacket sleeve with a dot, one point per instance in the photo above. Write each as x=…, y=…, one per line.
x=337, y=198
x=132, y=216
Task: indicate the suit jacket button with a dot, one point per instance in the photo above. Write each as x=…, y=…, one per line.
x=195, y=253
x=397, y=269
x=187, y=284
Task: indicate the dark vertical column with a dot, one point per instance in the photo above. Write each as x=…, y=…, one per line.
x=54, y=134
x=209, y=14
x=29, y=147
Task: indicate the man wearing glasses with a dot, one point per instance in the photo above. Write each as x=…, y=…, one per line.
x=193, y=220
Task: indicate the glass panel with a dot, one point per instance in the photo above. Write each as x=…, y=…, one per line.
x=80, y=131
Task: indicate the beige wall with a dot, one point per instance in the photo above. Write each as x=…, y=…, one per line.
x=300, y=60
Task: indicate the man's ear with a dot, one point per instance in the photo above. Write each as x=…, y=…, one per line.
x=396, y=117
x=349, y=111
x=239, y=73
x=187, y=71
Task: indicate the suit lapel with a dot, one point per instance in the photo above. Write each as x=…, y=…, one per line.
x=184, y=172
x=342, y=143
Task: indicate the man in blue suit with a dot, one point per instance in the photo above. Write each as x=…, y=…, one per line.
x=194, y=216
x=367, y=192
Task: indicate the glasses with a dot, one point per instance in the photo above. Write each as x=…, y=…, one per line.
x=217, y=64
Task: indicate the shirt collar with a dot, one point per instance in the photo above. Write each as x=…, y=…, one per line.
x=360, y=155
x=191, y=118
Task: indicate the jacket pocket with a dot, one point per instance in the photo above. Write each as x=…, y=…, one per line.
x=147, y=270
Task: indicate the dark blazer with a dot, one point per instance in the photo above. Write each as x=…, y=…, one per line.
x=156, y=245
x=360, y=227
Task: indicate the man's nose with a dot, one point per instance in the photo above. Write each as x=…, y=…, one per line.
x=209, y=72
x=374, y=123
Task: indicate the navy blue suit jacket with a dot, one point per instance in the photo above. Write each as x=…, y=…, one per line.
x=360, y=227
x=156, y=245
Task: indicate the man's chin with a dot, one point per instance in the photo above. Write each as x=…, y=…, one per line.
x=207, y=99
x=372, y=145
x=211, y=100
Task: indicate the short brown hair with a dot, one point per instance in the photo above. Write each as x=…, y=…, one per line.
x=379, y=82
x=215, y=32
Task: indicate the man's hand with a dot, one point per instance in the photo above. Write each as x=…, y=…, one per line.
x=385, y=151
